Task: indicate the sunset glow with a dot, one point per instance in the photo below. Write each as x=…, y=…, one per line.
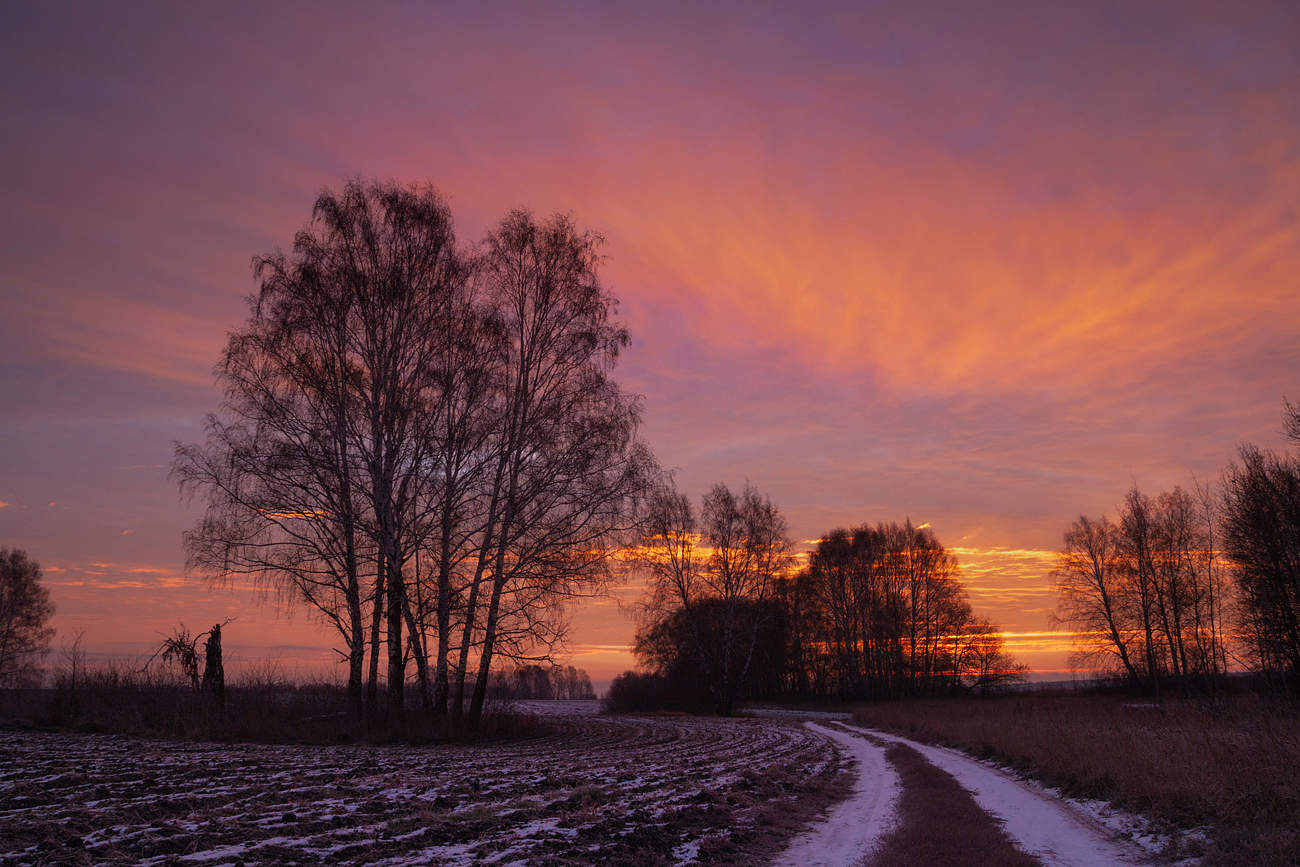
x=983, y=271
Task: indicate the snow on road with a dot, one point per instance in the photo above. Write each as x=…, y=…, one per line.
x=856, y=823
x=1049, y=828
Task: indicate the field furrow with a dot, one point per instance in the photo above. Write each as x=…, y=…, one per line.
x=616, y=790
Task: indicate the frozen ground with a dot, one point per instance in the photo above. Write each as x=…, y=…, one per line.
x=594, y=790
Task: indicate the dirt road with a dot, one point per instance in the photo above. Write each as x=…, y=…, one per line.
x=1049, y=829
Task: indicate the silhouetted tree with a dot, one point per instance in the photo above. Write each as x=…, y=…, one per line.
x=1291, y=420
x=1144, y=594
x=807, y=667
x=1262, y=538
x=572, y=684
x=893, y=611
x=711, y=585
x=980, y=660
x=443, y=420
x=564, y=683
x=25, y=611
x=570, y=469
x=668, y=647
x=878, y=613
x=1138, y=561
x=1093, y=599
x=317, y=464
x=638, y=692
x=180, y=649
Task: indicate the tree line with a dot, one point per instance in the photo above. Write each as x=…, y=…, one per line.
x=536, y=682
x=877, y=612
x=1180, y=587
x=422, y=440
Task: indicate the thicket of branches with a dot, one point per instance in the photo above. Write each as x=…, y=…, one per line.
x=25, y=611
x=878, y=612
x=1147, y=594
x=881, y=613
x=1262, y=539
x=713, y=576
x=422, y=440
x=1181, y=586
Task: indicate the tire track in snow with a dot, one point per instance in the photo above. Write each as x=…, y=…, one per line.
x=856, y=823
x=1046, y=827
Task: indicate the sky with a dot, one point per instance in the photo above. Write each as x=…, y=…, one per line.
x=985, y=269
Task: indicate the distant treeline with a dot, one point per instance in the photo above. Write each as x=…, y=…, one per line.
x=878, y=612
x=560, y=683
x=1180, y=587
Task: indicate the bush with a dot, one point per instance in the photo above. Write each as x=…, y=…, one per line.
x=631, y=692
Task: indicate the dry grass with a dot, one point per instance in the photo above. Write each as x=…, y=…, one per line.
x=1231, y=766
x=261, y=707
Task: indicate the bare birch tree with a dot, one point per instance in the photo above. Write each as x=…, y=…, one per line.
x=1145, y=593
x=277, y=470
x=318, y=461
x=1092, y=598
x=424, y=444
x=570, y=468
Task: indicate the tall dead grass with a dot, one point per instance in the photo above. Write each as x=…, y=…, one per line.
x=1232, y=766
x=262, y=706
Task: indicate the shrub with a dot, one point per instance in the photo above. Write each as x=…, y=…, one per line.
x=632, y=692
